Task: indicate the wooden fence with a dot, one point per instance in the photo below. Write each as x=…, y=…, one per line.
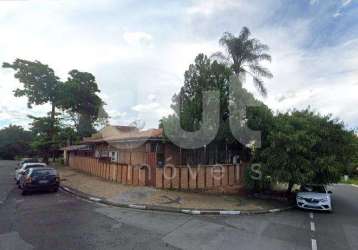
x=213, y=178
x=121, y=173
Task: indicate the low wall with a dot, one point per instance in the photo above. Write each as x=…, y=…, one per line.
x=215, y=178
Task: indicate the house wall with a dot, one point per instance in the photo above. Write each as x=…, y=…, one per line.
x=127, y=154
x=171, y=154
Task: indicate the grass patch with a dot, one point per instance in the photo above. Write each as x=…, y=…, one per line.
x=353, y=180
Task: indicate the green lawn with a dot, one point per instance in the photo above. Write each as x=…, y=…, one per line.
x=351, y=181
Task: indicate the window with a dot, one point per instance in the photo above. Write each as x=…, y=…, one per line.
x=313, y=188
x=34, y=166
x=102, y=154
x=114, y=156
x=44, y=172
x=155, y=148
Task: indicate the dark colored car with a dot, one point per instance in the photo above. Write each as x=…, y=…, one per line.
x=35, y=179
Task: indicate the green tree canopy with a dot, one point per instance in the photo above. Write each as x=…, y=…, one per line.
x=79, y=96
x=305, y=147
x=206, y=74
x=14, y=141
x=40, y=84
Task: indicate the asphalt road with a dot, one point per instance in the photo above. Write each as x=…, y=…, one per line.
x=61, y=221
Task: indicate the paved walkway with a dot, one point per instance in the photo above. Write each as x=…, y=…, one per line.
x=120, y=193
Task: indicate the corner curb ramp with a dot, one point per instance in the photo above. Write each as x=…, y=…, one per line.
x=169, y=209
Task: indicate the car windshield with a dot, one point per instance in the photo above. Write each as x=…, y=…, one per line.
x=313, y=189
x=29, y=161
x=40, y=172
x=34, y=166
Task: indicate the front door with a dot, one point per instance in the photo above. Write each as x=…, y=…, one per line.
x=152, y=162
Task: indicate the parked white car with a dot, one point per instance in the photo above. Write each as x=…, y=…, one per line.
x=24, y=167
x=315, y=197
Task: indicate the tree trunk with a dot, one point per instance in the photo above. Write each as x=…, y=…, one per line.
x=290, y=186
x=53, y=112
x=51, y=134
x=45, y=158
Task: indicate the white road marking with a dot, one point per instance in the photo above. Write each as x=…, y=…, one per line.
x=314, y=244
x=355, y=185
x=274, y=210
x=229, y=212
x=136, y=206
x=311, y=216
x=94, y=199
x=313, y=228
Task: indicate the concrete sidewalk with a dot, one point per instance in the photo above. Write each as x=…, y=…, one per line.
x=125, y=194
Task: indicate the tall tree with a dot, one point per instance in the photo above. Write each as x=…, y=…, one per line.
x=79, y=96
x=206, y=74
x=40, y=86
x=244, y=54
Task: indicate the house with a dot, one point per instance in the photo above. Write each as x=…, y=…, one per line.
x=147, y=152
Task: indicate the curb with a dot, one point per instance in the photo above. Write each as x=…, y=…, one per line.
x=346, y=184
x=169, y=209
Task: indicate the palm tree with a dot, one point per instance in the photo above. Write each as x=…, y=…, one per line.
x=244, y=54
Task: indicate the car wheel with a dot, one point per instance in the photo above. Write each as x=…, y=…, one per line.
x=55, y=190
x=24, y=192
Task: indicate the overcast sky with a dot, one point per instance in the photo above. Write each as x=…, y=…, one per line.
x=139, y=50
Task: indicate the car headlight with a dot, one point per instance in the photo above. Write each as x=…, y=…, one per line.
x=323, y=200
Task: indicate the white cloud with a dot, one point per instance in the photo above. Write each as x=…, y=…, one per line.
x=346, y=2
x=337, y=14
x=322, y=80
x=208, y=7
x=139, y=61
x=312, y=2
x=138, y=38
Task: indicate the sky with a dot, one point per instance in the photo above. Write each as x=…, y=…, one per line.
x=139, y=51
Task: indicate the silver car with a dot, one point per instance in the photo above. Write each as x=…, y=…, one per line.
x=314, y=197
